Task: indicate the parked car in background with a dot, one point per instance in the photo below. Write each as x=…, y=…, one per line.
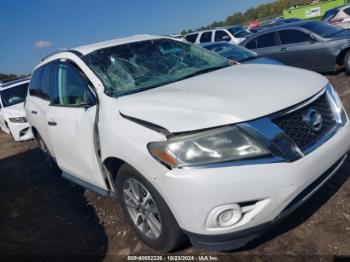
x=12, y=115
x=190, y=144
x=338, y=16
x=274, y=23
x=238, y=53
x=232, y=34
x=308, y=44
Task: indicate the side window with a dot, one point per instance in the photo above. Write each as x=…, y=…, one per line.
x=221, y=35
x=267, y=40
x=347, y=11
x=34, y=86
x=191, y=38
x=45, y=82
x=69, y=86
x=293, y=37
x=251, y=44
x=206, y=37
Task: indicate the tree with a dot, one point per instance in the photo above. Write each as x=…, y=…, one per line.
x=6, y=76
x=261, y=12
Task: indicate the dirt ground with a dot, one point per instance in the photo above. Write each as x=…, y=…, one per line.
x=47, y=216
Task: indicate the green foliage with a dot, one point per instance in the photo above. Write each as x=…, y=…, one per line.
x=261, y=12
x=11, y=76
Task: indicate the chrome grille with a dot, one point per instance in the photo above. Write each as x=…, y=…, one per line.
x=293, y=125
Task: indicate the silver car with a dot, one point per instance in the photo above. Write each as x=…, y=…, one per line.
x=311, y=45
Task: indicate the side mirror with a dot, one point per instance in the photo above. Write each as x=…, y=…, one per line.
x=313, y=39
x=90, y=101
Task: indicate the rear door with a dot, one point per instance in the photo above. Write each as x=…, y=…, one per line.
x=206, y=37
x=38, y=103
x=267, y=45
x=298, y=48
x=70, y=121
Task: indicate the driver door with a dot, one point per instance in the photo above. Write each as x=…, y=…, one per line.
x=299, y=49
x=71, y=120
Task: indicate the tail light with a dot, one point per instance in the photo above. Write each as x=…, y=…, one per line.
x=336, y=21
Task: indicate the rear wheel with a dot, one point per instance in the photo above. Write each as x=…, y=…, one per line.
x=347, y=63
x=45, y=154
x=147, y=212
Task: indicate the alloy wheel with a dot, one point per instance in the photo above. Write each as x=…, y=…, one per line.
x=142, y=208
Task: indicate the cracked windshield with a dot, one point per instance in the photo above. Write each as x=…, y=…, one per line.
x=134, y=67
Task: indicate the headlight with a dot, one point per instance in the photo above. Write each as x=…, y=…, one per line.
x=336, y=104
x=213, y=146
x=18, y=120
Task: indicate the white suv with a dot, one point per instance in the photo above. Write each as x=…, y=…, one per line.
x=189, y=143
x=232, y=34
x=13, y=119
x=339, y=16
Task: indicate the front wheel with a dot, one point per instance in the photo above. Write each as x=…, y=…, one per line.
x=347, y=63
x=146, y=210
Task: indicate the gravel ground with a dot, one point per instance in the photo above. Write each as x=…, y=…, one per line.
x=44, y=215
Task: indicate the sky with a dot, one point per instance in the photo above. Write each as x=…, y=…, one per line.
x=31, y=29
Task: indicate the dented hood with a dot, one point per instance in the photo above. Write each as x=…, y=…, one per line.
x=226, y=96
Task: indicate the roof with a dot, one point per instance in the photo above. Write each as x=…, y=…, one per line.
x=215, y=28
x=279, y=27
x=14, y=82
x=86, y=49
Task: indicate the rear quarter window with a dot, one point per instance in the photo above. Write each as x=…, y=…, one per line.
x=191, y=38
x=347, y=11
x=330, y=14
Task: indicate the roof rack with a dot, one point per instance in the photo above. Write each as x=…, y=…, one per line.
x=77, y=53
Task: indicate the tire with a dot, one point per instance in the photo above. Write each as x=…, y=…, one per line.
x=347, y=63
x=45, y=154
x=170, y=236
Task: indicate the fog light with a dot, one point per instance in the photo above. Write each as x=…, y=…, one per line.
x=229, y=216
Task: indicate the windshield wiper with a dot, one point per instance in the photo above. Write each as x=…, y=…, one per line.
x=202, y=71
x=199, y=72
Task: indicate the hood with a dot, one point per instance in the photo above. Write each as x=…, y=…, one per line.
x=230, y=95
x=262, y=60
x=16, y=110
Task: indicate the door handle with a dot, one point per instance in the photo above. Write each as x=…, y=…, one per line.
x=34, y=112
x=284, y=49
x=52, y=123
